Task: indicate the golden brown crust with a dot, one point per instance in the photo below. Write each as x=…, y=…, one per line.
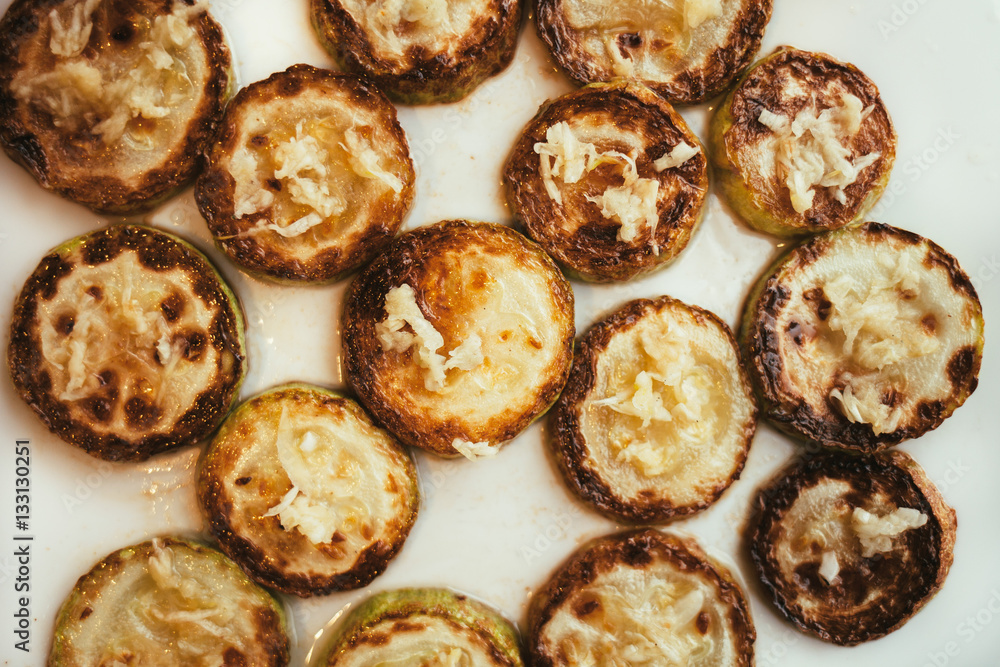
x=420, y=76
x=230, y=486
x=762, y=342
x=316, y=256
x=54, y=157
x=637, y=549
x=776, y=83
x=430, y=260
x=575, y=233
x=687, y=83
x=885, y=590
x=156, y=251
x=572, y=452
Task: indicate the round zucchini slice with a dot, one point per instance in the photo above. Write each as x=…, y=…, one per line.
x=686, y=50
x=423, y=626
x=111, y=103
x=306, y=493
x=863, y=337
x=126, y=342
x=609, y=180
x=310, y=177
x=658, y=413
x=802, y=144
x=169, y=602
x=641, y=597
x=458, y=336
x=850, y=546
x=420, y=52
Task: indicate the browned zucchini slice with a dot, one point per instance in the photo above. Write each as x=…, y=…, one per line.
x=641, y=597
x=173, y=603
x=306, y=493
x=310, y=177
x=609, y=180
x=686, y=50
x=420, y=51
x=458, y=336
x=658, y=414
x=126, y=342
x=802, y=144
x=423, y=626
x=863, y=337
x=852, y=546
x=110, y=103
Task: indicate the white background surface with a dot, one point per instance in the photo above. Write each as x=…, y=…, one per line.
x=497, y=528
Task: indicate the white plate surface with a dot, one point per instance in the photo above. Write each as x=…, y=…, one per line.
x=497, y=528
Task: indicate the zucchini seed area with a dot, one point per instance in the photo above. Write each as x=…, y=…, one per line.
x=870, y=328
x=668, y=405
x=121, y=93
x=126, y=347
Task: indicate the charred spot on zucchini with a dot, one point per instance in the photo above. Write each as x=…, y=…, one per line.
x=685, y=50
x=126, y=342
x=802, y=144
x=108, y=103
x=658, y=413
x=851, y=547
x=640, y=597
x=609, y=180
x=458, y=336
x=306, y=493
x=309, y=178
x=423, y=626
x=863, y=337
x=420, y=51
x=169, y=602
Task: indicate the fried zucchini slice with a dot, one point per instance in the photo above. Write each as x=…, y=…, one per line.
x=658, y=413
x=126, y=342
x=310, y=177
x=423, y=626
x=802, y=144
x=306, y=493
x=420, y=51
x=863, y=337
x=111, y=103
x=609, y=180
x=458, y=336
x=640, y=597
x=169, y=602
x=851, y=547
x=685, y=50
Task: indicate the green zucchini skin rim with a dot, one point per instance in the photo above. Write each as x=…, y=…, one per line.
x=257, y=563
x=431, y=81
x=156, y=249
x=111, y=196
x=500, y=634
x=746, y=201
x=633, y=547
x=778, y=494
x=275, y=620
x=758, y=342
x=569, y=449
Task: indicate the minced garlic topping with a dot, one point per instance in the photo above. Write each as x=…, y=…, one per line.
x=401, y=309
x=474, y=450
x=70, y=39
x=876, y=532
x=811, y=151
